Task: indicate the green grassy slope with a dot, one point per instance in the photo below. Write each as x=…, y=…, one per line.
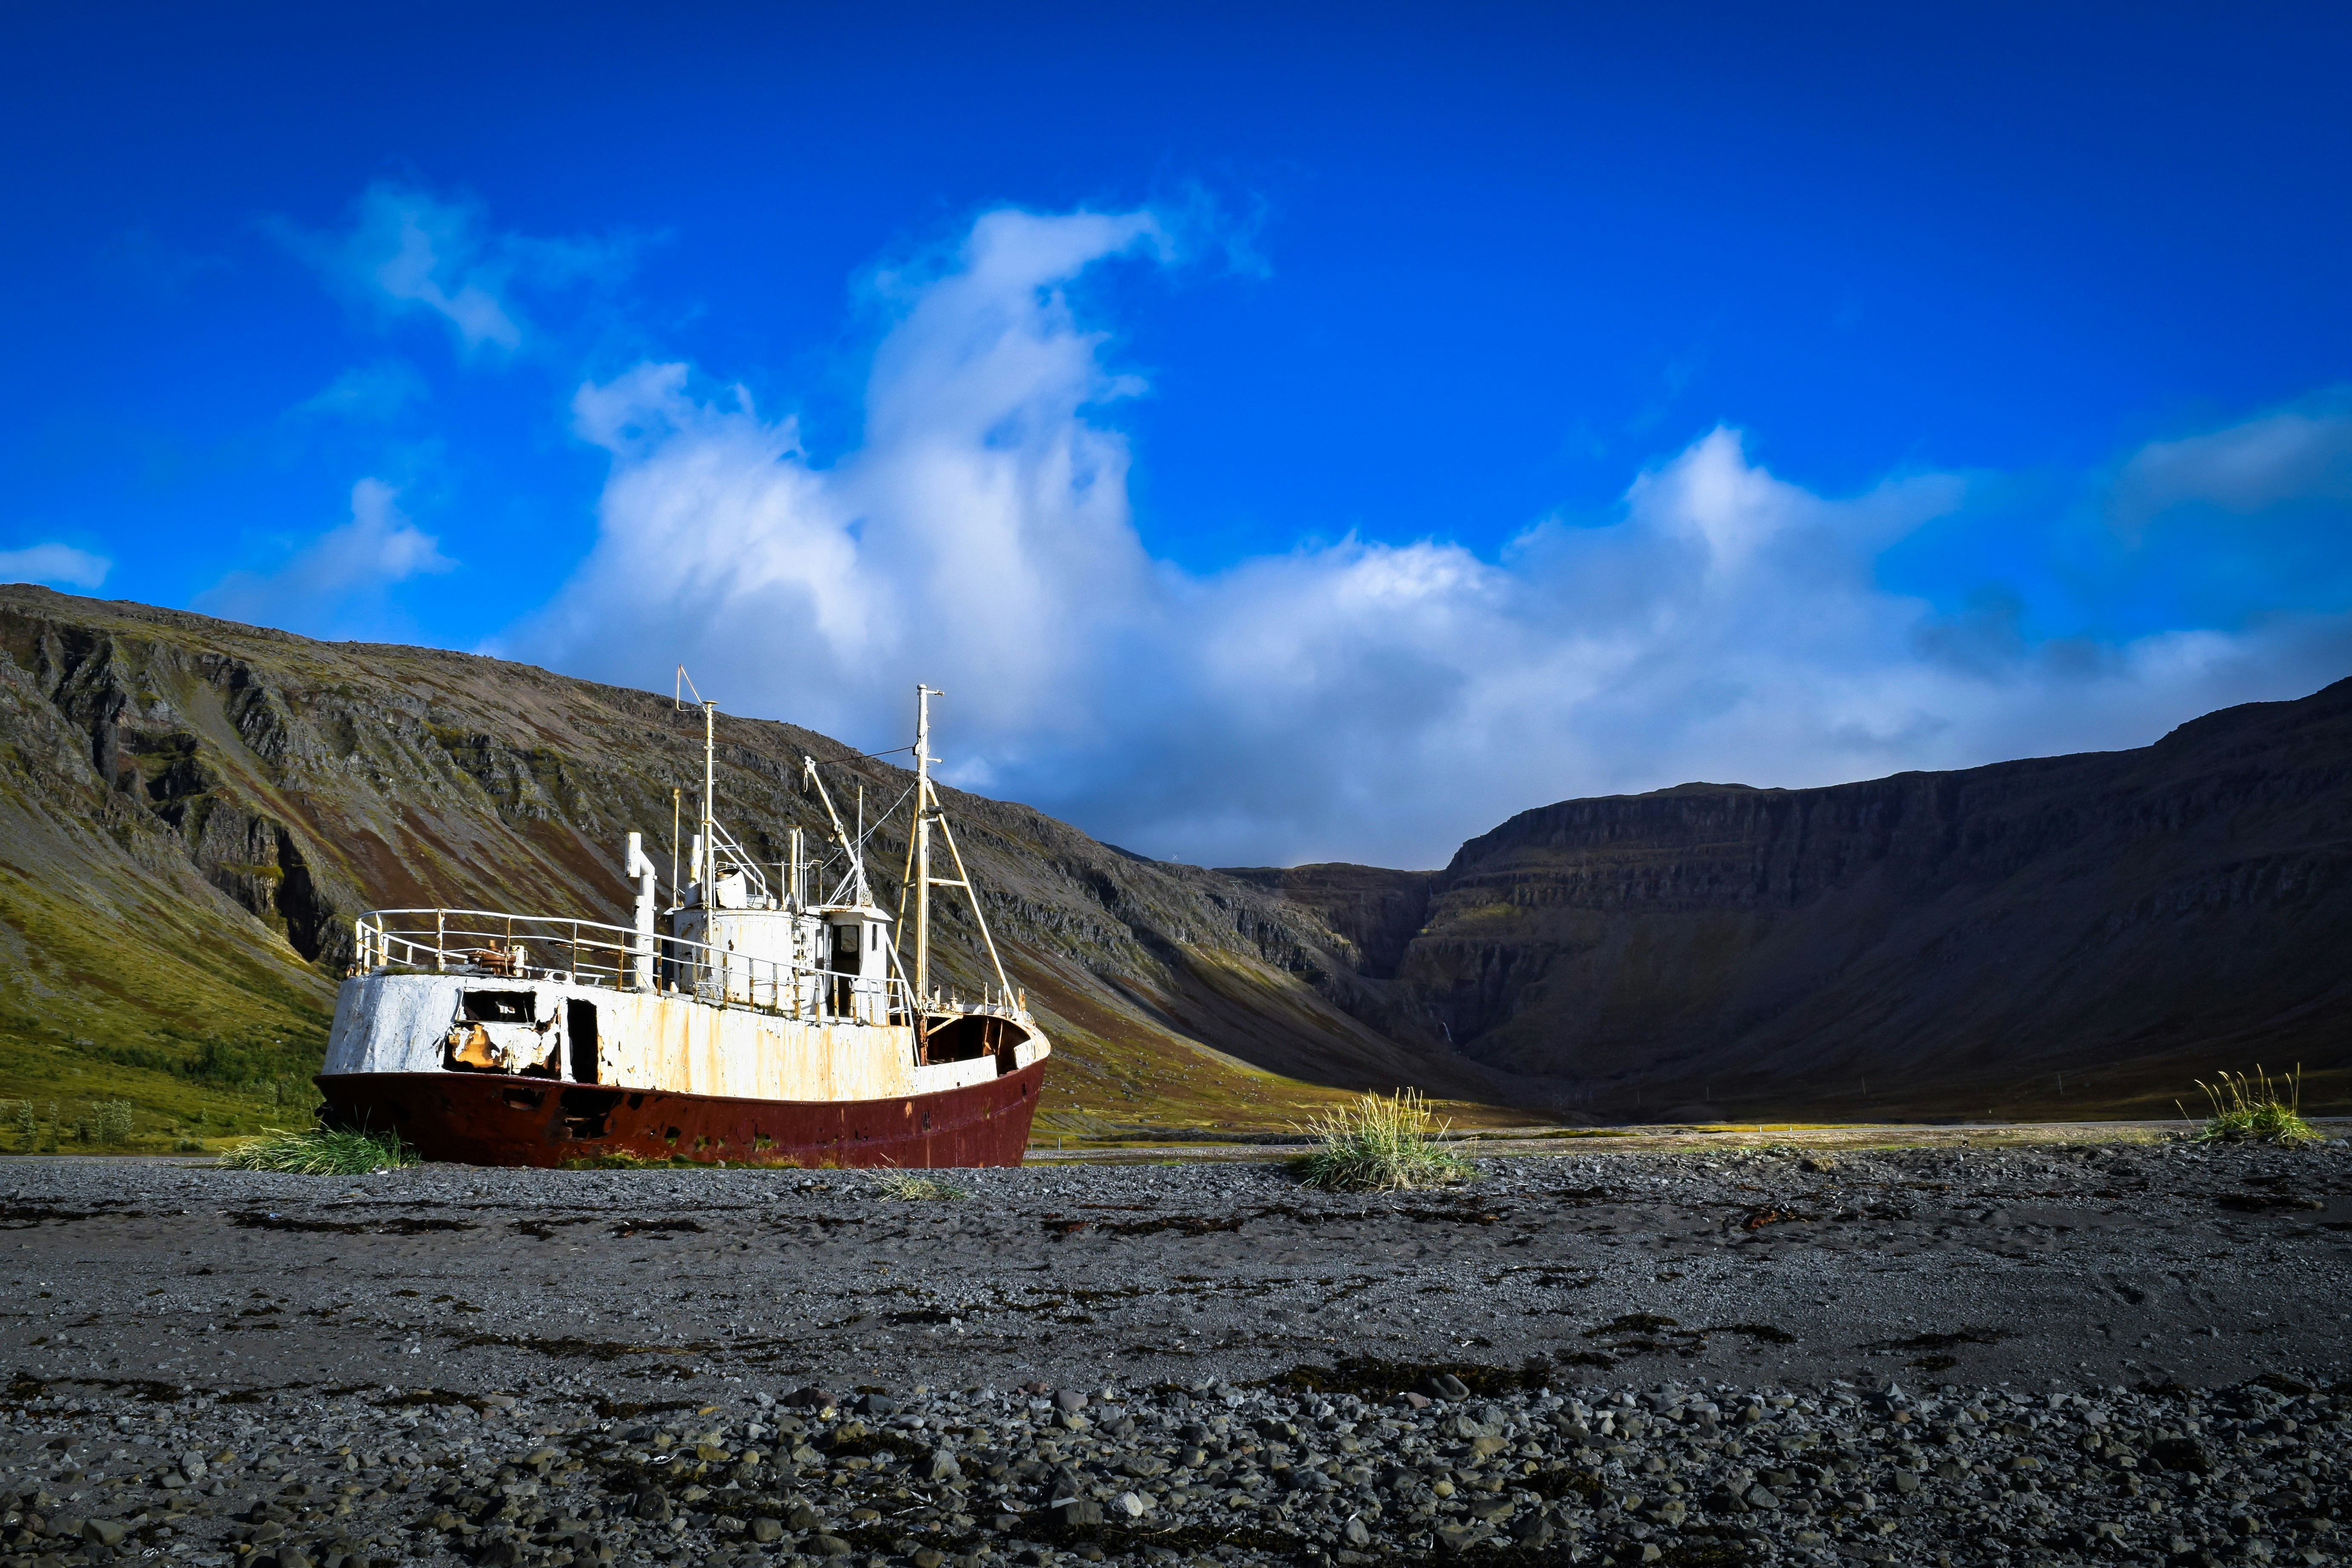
x=193, y=812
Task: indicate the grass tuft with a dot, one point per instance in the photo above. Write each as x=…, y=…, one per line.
x=1378, y=1145
x=621, y=1160
x=2254, y=1108
x=320, y=1152
x=908, y=1187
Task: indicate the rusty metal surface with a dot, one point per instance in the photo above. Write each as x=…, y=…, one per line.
x=490, y=1119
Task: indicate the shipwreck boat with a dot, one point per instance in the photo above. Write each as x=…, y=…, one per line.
x=747, y=1023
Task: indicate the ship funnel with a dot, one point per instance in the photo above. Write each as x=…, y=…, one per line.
x=641, y=866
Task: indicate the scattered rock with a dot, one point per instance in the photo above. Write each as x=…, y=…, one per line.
x=1343, y=1466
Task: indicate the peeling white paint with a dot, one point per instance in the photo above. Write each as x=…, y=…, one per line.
x=649, y=1040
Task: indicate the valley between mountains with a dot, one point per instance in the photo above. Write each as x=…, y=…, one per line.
x=192, y=813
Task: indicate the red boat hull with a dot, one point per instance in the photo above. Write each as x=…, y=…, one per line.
x=484, y=1119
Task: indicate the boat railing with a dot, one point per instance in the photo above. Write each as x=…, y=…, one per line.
x=592, y=953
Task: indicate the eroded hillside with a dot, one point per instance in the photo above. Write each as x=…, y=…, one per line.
x=194, y=811
x=2077, y=935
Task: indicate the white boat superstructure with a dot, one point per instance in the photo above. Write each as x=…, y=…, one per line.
x=776, y=984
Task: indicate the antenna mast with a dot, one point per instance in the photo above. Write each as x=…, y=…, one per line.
x=710, y=839
x=923, y=809
x=706, y=853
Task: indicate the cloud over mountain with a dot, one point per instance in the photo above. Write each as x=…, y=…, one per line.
x=339, y=583
x=1353, y=699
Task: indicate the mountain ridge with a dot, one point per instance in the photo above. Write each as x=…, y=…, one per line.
x=211, y=791
x=222, y=799
x=2127, y=916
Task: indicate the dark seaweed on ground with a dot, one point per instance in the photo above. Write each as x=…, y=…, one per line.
x=256, y=1219
x=1461, y=1214
x=1960, y=1336
x=592, y=1350
x=23, y=1217
x=1380, y=1377
x=544, y=1230
x=1764, y=1332
x=1188, y=1224
x=656, y=1227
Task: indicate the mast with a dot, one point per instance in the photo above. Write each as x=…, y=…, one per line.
x=923, y=809
x=710, y=781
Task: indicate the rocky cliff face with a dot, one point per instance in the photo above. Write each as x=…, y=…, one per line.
x=208, y=805
x=192, y=812
x=2065, y=934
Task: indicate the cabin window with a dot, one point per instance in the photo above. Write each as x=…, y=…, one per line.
x=580, y=1029
x=500, y=1006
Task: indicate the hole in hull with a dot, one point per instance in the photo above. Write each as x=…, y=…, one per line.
x=586, y=1111
x=971, y=1037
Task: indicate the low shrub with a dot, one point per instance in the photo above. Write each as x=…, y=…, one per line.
x=905, y=1186
x=113, y=1122
x=320, y=1152
x=2254, y=1108
x=1380, y=1145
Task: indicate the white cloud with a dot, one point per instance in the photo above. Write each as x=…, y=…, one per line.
x=982, y=533
x=340, y=579
x=2294, y=453
x=1359, y=701
x=408, y=251
x=58, y=565
x=369, y=393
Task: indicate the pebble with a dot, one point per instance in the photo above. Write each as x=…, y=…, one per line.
x=1225, y=1457
x=1213, y=1472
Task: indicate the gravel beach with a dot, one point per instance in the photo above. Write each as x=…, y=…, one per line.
x=2125, y=1352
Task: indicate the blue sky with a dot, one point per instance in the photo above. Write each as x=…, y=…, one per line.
x=1289, y=433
